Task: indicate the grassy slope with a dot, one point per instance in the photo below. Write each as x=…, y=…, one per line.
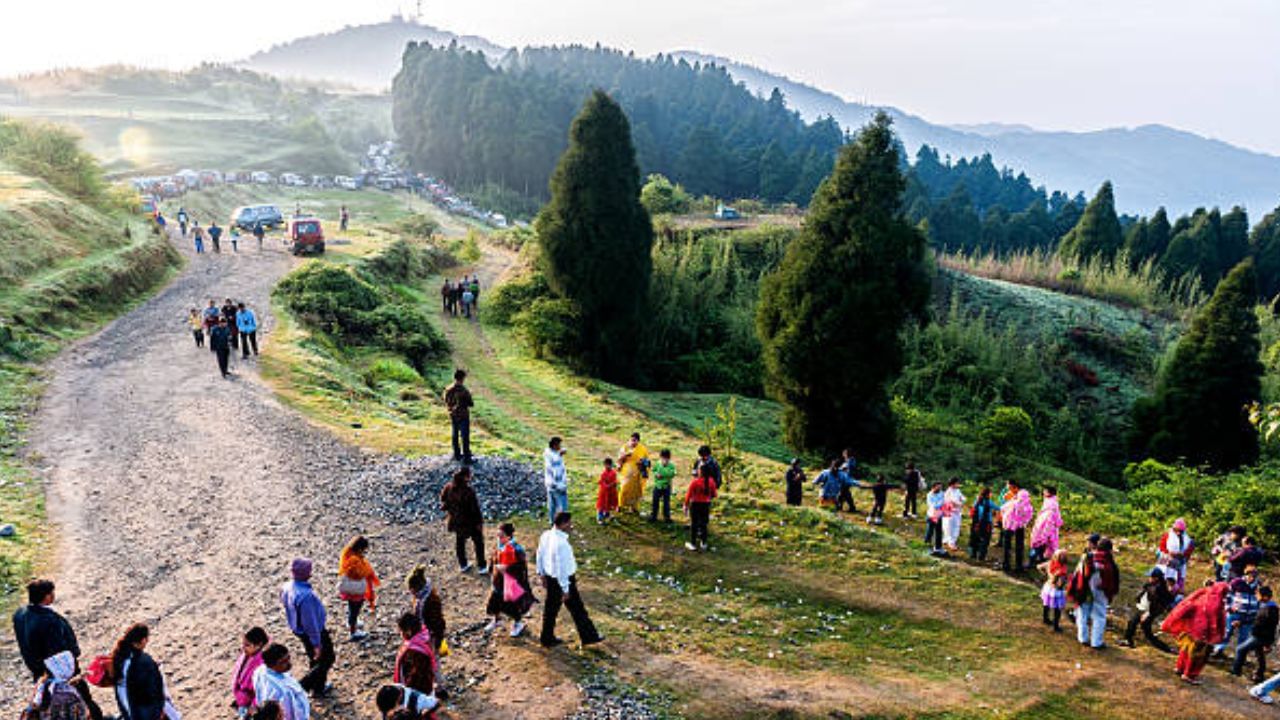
x=796, y=613
x=65, y=269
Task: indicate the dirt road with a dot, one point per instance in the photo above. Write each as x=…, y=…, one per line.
x=178, y=498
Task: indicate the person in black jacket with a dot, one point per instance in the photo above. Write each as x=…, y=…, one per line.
x=139, y=684
x=463, y=517
x=1155, y=599
x=41, y=633
x=220, y=343
x=1262, y=639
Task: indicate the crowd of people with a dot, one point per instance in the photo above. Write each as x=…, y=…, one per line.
x=461, y=297
x=229, y=327
x=208, y=238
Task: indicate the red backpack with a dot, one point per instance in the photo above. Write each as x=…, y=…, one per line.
x=99, y=672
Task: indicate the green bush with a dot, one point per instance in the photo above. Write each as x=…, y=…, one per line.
x=662, y=197
x=509, y=299
x=415, y=225
x=390, y=371
x=550, y=328
x=404, y=261
x=1210, y=503
x=1007, y=431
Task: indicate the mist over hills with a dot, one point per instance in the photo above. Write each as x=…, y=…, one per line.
x=1150, y=165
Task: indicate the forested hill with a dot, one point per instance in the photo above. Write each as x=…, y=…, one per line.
x=472, y=123
x=1152, y=165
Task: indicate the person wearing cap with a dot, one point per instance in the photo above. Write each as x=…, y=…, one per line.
x=305, y=615
x=1175, y=550
x=795, y=483
x=1154, y=600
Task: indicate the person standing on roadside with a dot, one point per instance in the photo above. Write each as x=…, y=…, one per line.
x=1015, y=515
x=457, y=400
x=912, y=480
x=664, y=473
x=247, y=324
x=697, y=505
x=558, y=569
x=795, y=480
x=706, y=458
x=272, y=683
x=220, y=343
x=464, y=518
x=42, y=633
x=555, y=478
x=305, y=615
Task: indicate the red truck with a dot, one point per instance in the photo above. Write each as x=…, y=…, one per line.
x=305, y=236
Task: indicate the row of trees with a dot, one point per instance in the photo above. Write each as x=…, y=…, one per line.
x=474, y=124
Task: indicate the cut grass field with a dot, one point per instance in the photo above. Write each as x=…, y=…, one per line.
x=65, y=269
x=795, y=612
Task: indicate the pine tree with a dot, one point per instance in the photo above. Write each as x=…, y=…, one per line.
x=1264, y=243
x=596, y=238
x=1098, y=233
x=1197, y=414
x=830, y=316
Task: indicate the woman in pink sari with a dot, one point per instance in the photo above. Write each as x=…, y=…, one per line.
x=1044, y=534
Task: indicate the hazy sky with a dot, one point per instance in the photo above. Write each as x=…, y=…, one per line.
x=1210, y=66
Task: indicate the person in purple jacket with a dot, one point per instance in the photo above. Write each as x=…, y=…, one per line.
x=304, y=613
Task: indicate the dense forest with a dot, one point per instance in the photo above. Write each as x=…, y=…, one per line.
x=475, y=124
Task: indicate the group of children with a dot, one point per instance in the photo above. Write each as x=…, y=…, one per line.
x=703, y=487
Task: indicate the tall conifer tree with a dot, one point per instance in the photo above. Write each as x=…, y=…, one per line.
x=596, y=238
x=1098, y=232
x=829, y=318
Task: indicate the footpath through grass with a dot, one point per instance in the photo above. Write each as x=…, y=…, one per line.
x=795, y=612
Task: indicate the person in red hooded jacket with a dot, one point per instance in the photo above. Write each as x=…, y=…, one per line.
x=1198, y=622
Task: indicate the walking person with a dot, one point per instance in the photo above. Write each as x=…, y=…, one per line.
x=446, y=296
x=706, y=458
x=795, y=480
x=344, y=217
x=197, y=236
x=215, y=236
x=912, y=481
x=252, y=644
x=1222, y=549
x=558, y=569
x=182, y=220
x=305, y=615
x=511, y=594
x=664, y=473
x=357, y=584
x=139, y=685
x=555, y=478
x=933, y=514
x=879, y=498
x=54, y=696
x=633, y=468
x=1174, y=551
x=229, y=314
x=247, y=325
x=832, y=482
x=463, y=518
x=259, y=232
x=1198, y=623
x=220, y=343
x=607, y=493
x=1242, y=610
x=272, y=683
x=415, y=665
x=196, y=322
x=427, y=605
x=1044, y=533
x=1015, y=515
x=854, y=473
x=1155, y=599
x=981, y=523
x=1262, y=639
x=1092, y=587
x=474, y=287
x=467, y=298
x=210, y=317
x=697, y=505
x=235, y=239
x=458, y=401
x=42, y=633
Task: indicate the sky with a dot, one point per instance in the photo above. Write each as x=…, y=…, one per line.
x=1209, y=67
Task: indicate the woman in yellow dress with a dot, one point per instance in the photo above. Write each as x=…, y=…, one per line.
x=633, y=466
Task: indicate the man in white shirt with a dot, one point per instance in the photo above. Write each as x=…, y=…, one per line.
x=556, y=479
x=557, y=568
x=272, y=681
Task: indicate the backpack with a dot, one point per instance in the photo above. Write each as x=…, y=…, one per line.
x=61, y=702
x=99, y=672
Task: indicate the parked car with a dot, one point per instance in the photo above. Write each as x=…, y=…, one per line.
x=148, y=206
x=293, y=180
x=724, y=212
x=261, y=178
x=305, y=235
x=345, y=182
x=248, y=216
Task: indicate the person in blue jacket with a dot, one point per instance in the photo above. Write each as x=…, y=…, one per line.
x=247, y=324
x=832, y=482
x=304, y=613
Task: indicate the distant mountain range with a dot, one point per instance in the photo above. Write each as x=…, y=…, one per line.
x=1150, y=166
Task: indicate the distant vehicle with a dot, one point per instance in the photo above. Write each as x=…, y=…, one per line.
x=170, y=189
x=210, y=177
x=248, y=216
x=724, y=212
x=321, y=181
x=293, y=180
x=345, y=182
x=147, y=205
x=261, y=178
x=305, y=236
x=387, y=182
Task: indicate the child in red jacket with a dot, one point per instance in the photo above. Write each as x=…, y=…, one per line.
x=697, y=505
x=607, y=494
